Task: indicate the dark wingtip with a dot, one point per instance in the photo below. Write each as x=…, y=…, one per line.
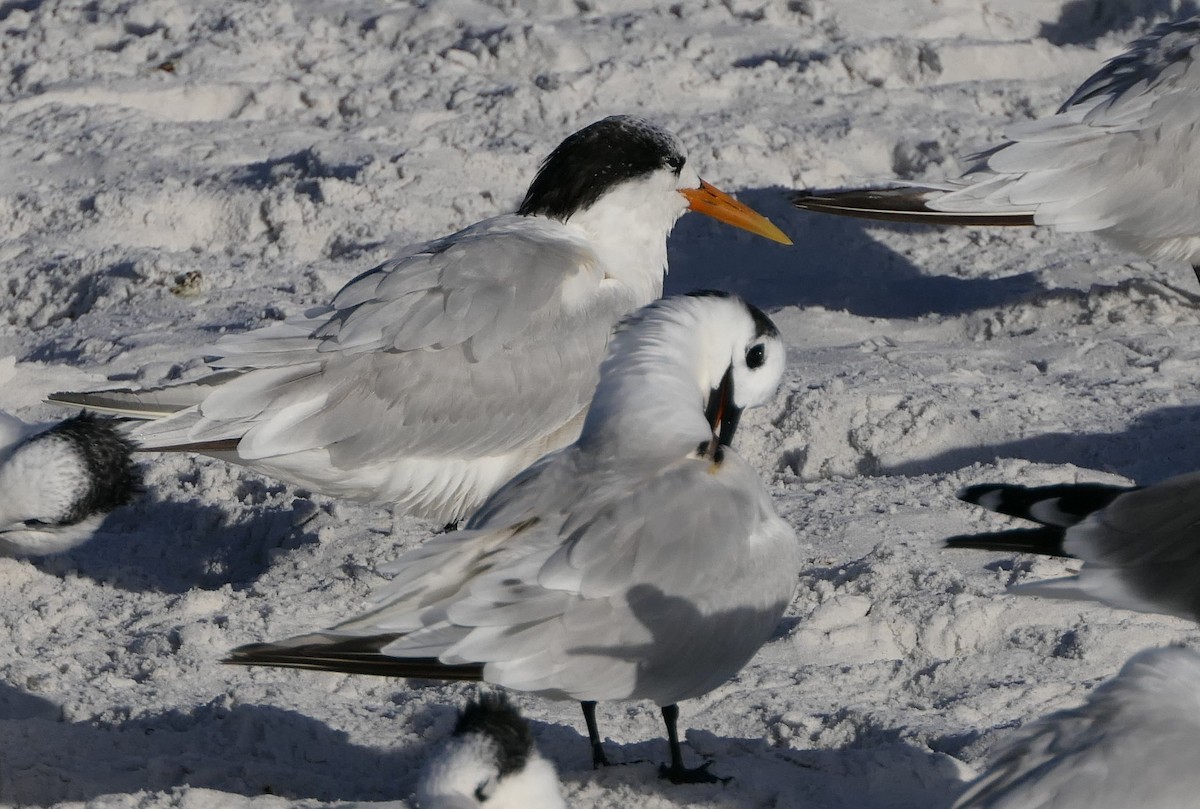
x=349, y=655
x=247, y=652
x=65, y=397
x=1046, y=541
x=906, y=204
x=974, y=493
x=1059, y=505
x=880, y=200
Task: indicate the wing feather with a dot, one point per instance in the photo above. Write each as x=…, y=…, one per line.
x=589, y=610
x=1142, y=552
x=466, y=348
x=1131, y=744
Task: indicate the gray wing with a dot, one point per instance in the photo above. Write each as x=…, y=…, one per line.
x=1131, y=745
x=1118, y=156
x=1142, y=552
x=607, y=595
x=1157, y=58
x=476, y=344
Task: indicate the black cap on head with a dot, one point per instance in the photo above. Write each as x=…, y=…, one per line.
x=493, y=716
x=594, y=160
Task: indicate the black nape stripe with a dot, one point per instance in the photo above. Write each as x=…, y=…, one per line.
x=763, y=325
x=107, y=454
x=595, y=160
x=493, y=716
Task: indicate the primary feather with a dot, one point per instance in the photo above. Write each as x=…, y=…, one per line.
x=1140, y=547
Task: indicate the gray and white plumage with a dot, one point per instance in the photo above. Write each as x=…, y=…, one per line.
x=490, y=762
x=434, y=377
x=58, y=482
x=1132, y=744
x=1120, y=158
x=645, y=561
x=1140, y=548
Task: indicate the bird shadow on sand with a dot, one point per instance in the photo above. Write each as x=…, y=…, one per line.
x=1154, y=446
x=834, y=263
x=223, y=745
x=248, y=749
x=16, y=704
x=1083, y=21
x=173, y=547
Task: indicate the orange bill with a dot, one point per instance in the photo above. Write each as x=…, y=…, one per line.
x=710, y=201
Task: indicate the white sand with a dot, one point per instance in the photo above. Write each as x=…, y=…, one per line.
x=143, y=212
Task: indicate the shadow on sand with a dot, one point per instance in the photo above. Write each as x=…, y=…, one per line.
x=1154, y=446
x=834, y=263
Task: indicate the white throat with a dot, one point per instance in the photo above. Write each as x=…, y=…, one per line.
x=628, y=228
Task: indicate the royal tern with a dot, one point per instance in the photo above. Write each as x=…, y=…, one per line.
x=1119, y=159
x=645, y=561
x=1139, y=546
x=490, y=762
x=434, y=377
x=57, y=483
x=1132, y=744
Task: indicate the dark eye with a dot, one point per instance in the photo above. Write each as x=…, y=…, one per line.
x=675, y=162
x=756, y=356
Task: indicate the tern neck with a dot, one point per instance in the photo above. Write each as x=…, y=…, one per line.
x=651, y=397
x=628, y=228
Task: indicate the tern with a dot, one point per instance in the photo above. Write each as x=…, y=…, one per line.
x=643, y=562
x=1139, y=545
x=1133, y=743
x=1119, y=158
x=57, y=483
x=490, y=762
x=436, y=376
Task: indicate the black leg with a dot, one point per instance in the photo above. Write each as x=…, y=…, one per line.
x=1196, y=269
x=589, y=715
x=677, y=773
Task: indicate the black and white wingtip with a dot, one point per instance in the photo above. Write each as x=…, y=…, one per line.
x=901, y=203
x=58, y=484
x=490, y=761
x=1060, y=505
x=1054, y=508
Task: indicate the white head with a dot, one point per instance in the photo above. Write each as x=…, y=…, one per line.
x=57, y=485
x=679, y=372
x=490, y=763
